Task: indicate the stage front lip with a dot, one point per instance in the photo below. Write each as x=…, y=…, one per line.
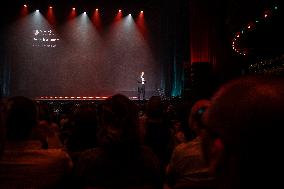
x=77, y=98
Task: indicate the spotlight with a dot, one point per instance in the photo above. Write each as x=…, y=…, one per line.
x=73, y=8
x=25, y=6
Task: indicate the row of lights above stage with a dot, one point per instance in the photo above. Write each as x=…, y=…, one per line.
x=48, y=38
x=74, y=9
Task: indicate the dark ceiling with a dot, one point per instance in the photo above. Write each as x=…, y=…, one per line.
x=233, y=15
x=235, y=12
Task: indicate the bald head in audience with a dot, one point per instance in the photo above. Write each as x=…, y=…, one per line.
x=244, y=122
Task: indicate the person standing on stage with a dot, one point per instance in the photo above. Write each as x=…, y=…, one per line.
x=141, y=86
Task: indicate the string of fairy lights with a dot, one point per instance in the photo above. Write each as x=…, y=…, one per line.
x=251, y=26
x=273, y=66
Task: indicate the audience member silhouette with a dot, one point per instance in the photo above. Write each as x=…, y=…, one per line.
x=24, y=164
x=244, y=140
x=187, y=167
x=83, y=136
x=120, y=161
x=47, y=127
x=157, y=130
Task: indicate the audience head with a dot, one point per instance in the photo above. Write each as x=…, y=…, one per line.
x=244, y=123
x=154, y=108
x=119, y=119
x=21, y=117
x=84, y=128
x=85, y=117
x=45, y=112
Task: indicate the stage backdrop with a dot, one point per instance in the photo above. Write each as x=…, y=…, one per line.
x=74, y=58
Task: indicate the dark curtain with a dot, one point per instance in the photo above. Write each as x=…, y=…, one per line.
x=175, y=45
x=210, y=47
x=4, y=71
